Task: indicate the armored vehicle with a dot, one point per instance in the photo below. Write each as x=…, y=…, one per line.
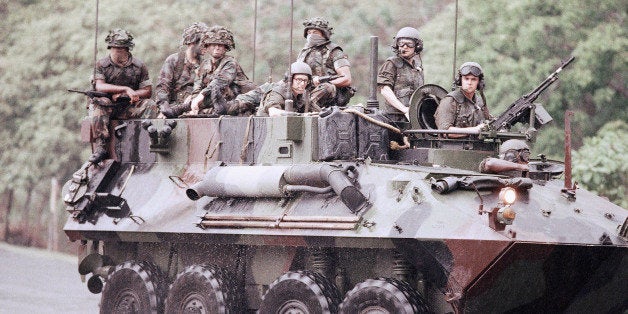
x=339, y=212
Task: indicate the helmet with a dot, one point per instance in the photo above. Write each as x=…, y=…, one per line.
x=218, y=35
x=472, y=68
x=408, y=32
x=119, y=38
x=514, y=150
x=317, y=23
x=193, y=33
x=411, y=33
x=300, y=68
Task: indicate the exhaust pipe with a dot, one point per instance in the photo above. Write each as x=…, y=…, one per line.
x=277, y=181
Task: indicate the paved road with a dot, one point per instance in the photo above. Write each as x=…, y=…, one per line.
x=38, y=281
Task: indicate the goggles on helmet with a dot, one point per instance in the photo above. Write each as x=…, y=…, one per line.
x=514, y=155
x=470, y=69
x=407, y=43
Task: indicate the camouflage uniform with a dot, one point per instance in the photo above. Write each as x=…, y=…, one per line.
x=459, y=111
x=402, y=77
x=220, y=83
x=324, y=58
x=276, y=98
x=176, y=79
x=134, y=74
x=246, y=104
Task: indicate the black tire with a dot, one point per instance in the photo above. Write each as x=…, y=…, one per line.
x=201, y=289
x=300, y=292
x=133, y=287
x=383, y=295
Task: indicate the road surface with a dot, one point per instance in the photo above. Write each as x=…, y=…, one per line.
x=38, y=281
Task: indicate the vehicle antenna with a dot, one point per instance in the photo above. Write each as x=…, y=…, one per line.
x=291, y=22
x=95, y=48
x=455, y=46
x=254, y=39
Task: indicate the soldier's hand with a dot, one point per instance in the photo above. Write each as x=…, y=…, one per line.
x=478, y=128
x=134, y=95
x=196, y=103
x=315, y=80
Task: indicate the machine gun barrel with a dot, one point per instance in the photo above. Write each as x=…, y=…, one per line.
x=522, y=105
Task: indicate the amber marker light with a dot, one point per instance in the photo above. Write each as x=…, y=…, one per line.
x=507, y=195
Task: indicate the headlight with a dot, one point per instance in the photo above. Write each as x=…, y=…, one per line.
x=507, y=195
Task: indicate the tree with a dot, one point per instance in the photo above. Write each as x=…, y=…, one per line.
x=601, y=164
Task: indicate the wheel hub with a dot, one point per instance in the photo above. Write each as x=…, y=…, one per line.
x=128, y=303
x=193, y=304
x=374, y=310
x=293, y=307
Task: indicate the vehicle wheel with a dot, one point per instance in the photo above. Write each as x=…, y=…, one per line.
x=300, y=292
x=133, y=287
x=201, y=289
x=383, y=295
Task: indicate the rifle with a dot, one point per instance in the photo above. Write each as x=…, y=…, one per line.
x=523, y=106
x=325, y=79
x=91, y=93
x=122, y=99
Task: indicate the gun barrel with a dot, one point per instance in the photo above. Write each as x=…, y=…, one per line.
x=566, y=63
x=325, y=79
x=522, y=105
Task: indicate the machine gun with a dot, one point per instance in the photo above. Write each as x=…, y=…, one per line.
x=523, y=107
x=328, y=78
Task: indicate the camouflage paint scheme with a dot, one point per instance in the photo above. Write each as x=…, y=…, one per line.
x=557, y=255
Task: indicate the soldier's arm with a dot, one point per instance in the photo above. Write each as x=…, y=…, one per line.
x=222, y=79
x=165, y=82
x=445, y=113
x=101, y=86
x=345, y=80
x=145, y=92
x=342, y=67
x=392, y=99
x=496, y=165
x=273, y=103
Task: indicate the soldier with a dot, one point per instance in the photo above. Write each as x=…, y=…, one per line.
x=514, y=156
x=126, y=79
x=402, y=74
x=463, y=109
x=294, y=87
x=246, y=104
x=326, y=58
x=220, y=78
x=176, y=78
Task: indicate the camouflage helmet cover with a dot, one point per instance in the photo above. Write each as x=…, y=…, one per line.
x=119, y=38
x=318, y=23
x=193, y=33
x=218, y=35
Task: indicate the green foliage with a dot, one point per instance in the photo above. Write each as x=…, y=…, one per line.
x=601, y=164
x=521, y=42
